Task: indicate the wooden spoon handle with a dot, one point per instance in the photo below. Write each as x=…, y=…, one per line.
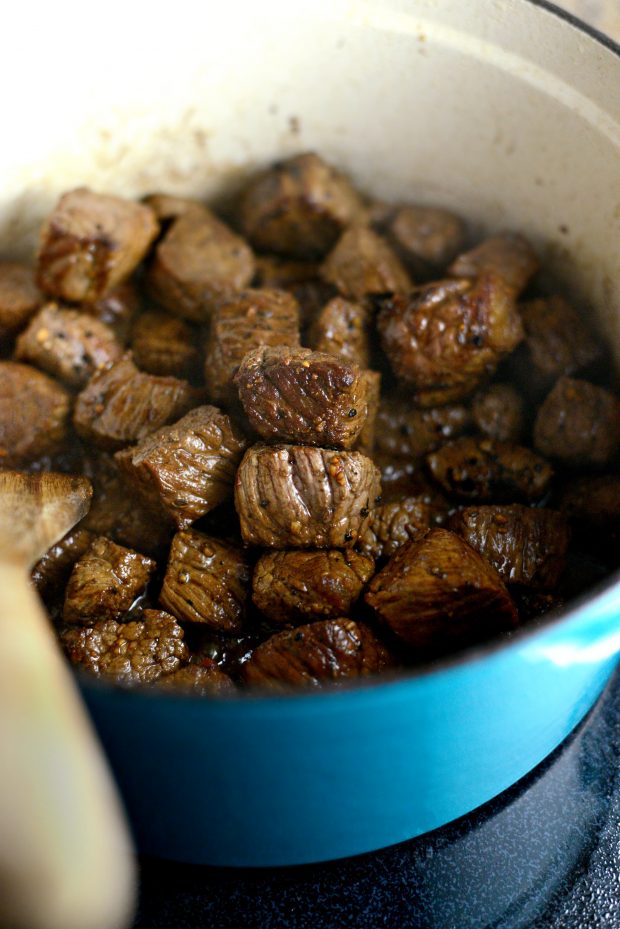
x=65, y=855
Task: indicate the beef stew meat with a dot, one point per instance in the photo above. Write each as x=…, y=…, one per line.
x=52, y=571
x=426, y=238
x=164, y=344
x=19, y=298
x=509, y=256
x=341, y=328
x=392, y=524
x=557, y=341
x=405, y=431
x=499, y=413
x=34, y=410
x=362, y=264
x=301, y=396
x=366, y=439
x=117, y=309
x=168, y=207
x=198, y=680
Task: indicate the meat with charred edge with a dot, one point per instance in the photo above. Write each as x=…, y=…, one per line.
x=310, y=655
x=498, y=412
x=206, y=582
x=426, y=238
x=341, y=328
x=526, y=545
x=557, y=341
x=33, y=414
x=19, y=297
x=405, y=431
x=188, y=468
x=295, y=586
x=51, y=572
x=362, y=263
x=90, y=243
x=295, y=496
x=509, y=256
x=485, y=470
x=198, y=680
x=393, y=524
x=163, y=344
x=438, y=594
x=301, y=396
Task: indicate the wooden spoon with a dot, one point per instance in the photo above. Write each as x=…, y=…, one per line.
x=65, y=856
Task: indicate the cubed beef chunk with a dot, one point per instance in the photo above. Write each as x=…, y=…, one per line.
x=298, y=496
x=33, y=414
x=298, y=207
x=405, y=431
x=246, y=321
x=168, y=207
x=310, y=655
x=278, y=273
x=137, y=652
x=485, y=470
x=593, y=501
x=206, y=582
x=19, y=297
x=426, y=238
x=341, y=328
x=296, y=586
x=446, y=337
x=67, y=344
x=393, y=524
x=51, y=572
x=362, y=263
x=438, y=593
x=105, y=582
x=188, y=468
x=525, y=545
x=117, y=309
x=90, y=243
x=498, y=412
x=199, y=681
x=366, y=439
x=300, y=396
x=578, y=424
x=120, y=404
x=404, y=477
x=163, y=344
x=198, y=261
x=557, y=340
x=509, y=256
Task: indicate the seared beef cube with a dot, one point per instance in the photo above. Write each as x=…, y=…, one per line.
x=557, y=341
x=486, y=470
x=439, y=594
x=188, y=468
x=105, y=582
x=246, y=321
x=445, y=337
x=393, y=524
x=300, y=396
x=341, y=328
x=206, y=582
x=120, y=404
x=525, y=545
x=498, y=412
x=311, y=296
x=199, y=681
x=295, y=496
x=508, y=256
x=116, y=308
x=293, y=587
x=19, y=297
x=198, y=261
x=362, y=263
x=67, y=344
x=366, y=439
x=33, y=414
x=168, y=207
x=402, y=477
x=278, y=273
x=329, y=650
x=90, y=243
x=163, y=344
x=426, y=238
x=593, y=502
x=578, y=424
x=136, y=652
x=51, y=572
x=404, y=431
x=298, y=207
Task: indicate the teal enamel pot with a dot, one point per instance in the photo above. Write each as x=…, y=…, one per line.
x=504, y=110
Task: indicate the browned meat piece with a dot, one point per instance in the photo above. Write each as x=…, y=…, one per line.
x=300, y=396
x=167, y=207
x=366, y=439
x=116, y=308
x=293, y=587
x=51, y=573
x=199, y=681
x=291, y=496
x=525, y=545
x=557, y=341
x=90, y=243
x=298, y=207
x=134, y=652
x=310, y=655
x=67, y=344
x=246, y=321
x=593, y=502
x=311, y=297
x=362, y=263
x=404, y=431
x=187, y=468
x=198, y=261
x=33, y=414
x=403, y=477
x=509, y=256
x=278, y=273
x=105, y=582
x=19, y=297
x=426, y=238
x=163, y=344
x=206, y=582
x=498, y=412
x=578, y=424
x=445, y=337
x=393, y=524
x=486, y=470
x=120, y=404
x=439, y=594
x=341, y=328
